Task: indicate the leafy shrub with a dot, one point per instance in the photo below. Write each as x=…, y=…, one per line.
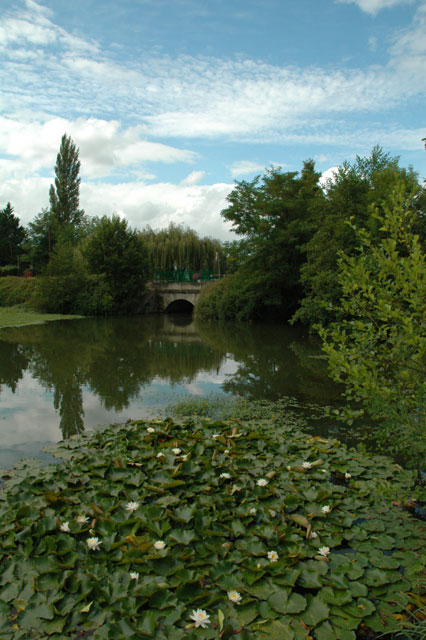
x=15, y=290
x=271, y=534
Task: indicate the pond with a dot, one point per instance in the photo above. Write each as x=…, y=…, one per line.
x=60, y=378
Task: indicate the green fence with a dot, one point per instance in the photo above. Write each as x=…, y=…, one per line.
x=185, y=275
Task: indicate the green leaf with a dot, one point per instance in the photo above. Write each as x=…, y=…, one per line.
x=278, y=600
x=316, y=612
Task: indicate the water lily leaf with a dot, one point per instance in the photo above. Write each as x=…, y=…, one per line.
x=376, y=577
x=335, y=596
x=295, y=604
x=316, y=612
x=326, y=632
x=275, y=629
x=360, y=608
x=182, y=536
x=299, y=519
x=278, y=600
x=10, y=591
x=312, y=573
x=247, y=613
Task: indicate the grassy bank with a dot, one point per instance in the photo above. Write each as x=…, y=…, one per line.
x=19, y=316
x=209, y=529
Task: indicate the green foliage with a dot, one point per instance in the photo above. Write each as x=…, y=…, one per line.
x=314, y=549
x=232, y=298
x=43, y=234
x=179, y=247
x=67, y=287
x=12, y=236
x=378, y=350
x=64, y=196
x=118, y=253
x=15, y=290
x=274, y=216
x=349, y=196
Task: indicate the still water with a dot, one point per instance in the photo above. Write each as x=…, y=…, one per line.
x=60, y=378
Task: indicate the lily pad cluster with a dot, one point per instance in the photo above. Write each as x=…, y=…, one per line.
x=203, y=529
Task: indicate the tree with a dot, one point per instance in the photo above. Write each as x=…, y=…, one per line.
x=273, y=214
x=179, y=247
x=378, y=349
x=64, y=195
x=43, y=234
x=118, y=253
x=348, y=195
x=12, y=236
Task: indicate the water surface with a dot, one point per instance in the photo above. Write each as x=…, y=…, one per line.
x=60, y=378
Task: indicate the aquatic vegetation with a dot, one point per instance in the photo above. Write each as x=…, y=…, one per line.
x=236, y=537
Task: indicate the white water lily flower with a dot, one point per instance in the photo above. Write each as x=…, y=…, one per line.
x=326, y=508
x=160, y=455
x=200, y=617
x=324, y=551
x=134, y=575
x=314, y=534
x=262, y=482
x=288, y=468
x=234, y=596
x=348, y=476
x=82, y=519
x=253, y=511
x=226, y=451
x=160, y=544
x=273, y=556
x=307, y=465
x=324, y=470
x=65, y=526
x=225, y=476
x=150, y=430
x=93, y=543
x=132, y=506
x=176, y=451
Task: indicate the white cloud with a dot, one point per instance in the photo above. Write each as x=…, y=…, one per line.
x=244, y=167
x=156, y=205
x=105, y=146
x=199, y=97
x=328, y=175
x=374, y=6
x=193, y=178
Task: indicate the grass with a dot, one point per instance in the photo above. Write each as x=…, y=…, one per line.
x=19, y=316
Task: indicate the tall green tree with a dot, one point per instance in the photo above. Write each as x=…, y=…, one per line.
x=119, y=254
x=12, y=236
x=274, y=215
x=349, y=195
x=64, y=195
x=378, y=348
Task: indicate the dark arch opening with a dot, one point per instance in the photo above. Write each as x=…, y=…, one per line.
x=180, y=306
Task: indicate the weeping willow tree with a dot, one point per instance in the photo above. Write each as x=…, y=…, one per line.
x=179, y=247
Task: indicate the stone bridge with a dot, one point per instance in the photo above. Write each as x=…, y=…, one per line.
x=170, y=297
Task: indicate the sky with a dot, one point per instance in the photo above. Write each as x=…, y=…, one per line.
x=172, y=101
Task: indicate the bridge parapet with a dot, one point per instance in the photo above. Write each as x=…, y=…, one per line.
x=160, y=295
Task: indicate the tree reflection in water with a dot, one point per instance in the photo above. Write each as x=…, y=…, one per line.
x=115, y=358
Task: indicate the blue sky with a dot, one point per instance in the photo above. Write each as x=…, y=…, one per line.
x=169, y=101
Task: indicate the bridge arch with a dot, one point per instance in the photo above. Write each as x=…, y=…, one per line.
x=180, y=305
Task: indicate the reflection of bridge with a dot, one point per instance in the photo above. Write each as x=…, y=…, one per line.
x=166, y=297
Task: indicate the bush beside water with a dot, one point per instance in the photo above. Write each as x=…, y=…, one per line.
x=272, y=534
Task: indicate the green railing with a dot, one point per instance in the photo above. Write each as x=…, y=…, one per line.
x=185, y=275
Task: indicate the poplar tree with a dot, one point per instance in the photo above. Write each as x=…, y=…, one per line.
x=64, y=194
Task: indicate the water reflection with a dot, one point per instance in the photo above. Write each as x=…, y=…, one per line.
x=112, y=363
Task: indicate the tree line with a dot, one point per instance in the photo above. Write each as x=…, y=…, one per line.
x=91, y=265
